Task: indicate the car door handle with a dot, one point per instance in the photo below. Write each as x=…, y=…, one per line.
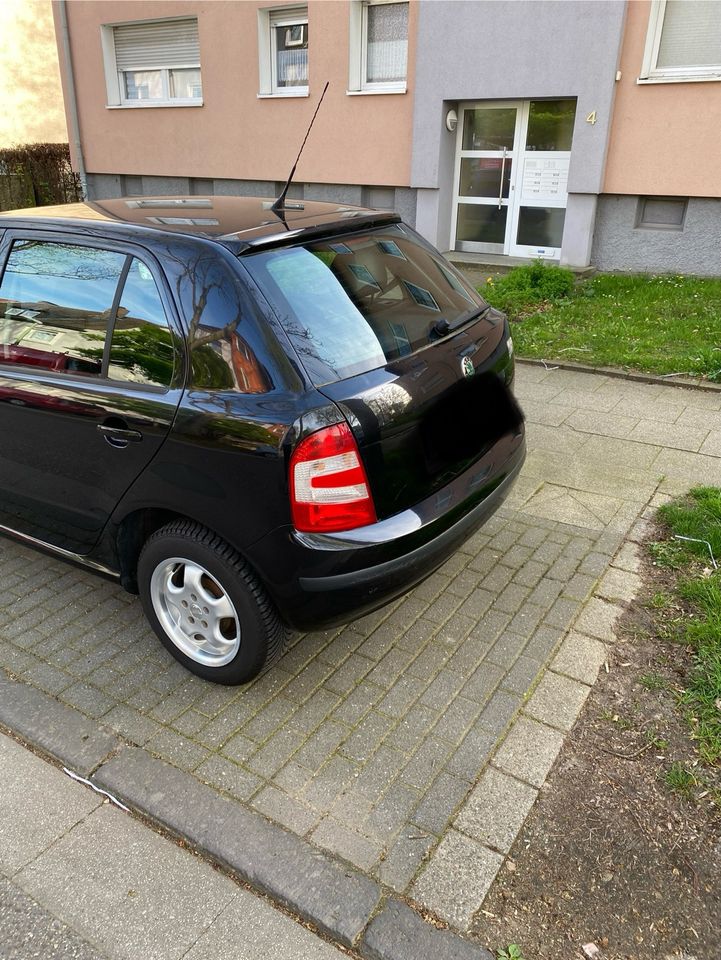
x=119, y=436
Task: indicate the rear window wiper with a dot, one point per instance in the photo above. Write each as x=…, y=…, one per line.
x=442, y=327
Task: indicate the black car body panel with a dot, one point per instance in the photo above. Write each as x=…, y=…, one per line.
x=215, y=442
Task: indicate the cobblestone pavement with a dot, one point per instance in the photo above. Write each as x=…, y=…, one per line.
x=412, y=742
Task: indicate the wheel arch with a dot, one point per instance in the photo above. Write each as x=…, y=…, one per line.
x=137, y=526
x=134, y=529
x=132, y=532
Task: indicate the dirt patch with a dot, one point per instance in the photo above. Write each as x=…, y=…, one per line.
x=610, y=854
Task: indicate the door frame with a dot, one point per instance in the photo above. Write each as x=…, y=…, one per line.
x=516, y=197
x=461, y=154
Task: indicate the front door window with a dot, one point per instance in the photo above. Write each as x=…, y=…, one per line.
x=512, y=177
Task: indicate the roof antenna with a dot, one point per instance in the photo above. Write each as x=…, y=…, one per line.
x=280, y=202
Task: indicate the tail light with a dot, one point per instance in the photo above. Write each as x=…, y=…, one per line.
x=328, y=485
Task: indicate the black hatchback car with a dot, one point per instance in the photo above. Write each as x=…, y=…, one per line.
x=255, y=419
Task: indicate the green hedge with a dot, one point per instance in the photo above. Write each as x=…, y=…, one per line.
x=37, y=175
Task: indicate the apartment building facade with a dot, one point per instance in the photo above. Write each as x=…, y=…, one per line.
x=533, y=128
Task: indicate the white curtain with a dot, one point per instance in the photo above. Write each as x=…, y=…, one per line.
x=387, y=42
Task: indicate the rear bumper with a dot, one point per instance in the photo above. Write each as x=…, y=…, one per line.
x=318, y=581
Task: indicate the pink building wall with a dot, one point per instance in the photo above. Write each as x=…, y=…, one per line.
x=665, y=138
x=32, y=109
x=235, y=135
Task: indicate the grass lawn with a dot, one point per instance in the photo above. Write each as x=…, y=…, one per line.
x=697, y=516
x=653, y=324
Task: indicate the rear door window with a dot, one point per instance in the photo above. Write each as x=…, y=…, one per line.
x=141, y=349
x=354, y=303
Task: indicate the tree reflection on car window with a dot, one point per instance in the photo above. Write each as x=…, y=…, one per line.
x=55, y=303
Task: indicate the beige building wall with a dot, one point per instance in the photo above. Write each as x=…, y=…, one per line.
x=32, y=109
x=665, y=137
x=235, y=135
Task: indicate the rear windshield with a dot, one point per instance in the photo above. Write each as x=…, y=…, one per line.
x=353, y=303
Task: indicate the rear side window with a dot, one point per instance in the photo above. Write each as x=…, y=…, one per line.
x=141, y=349
x=55, y=303
x=58, y=301
x=354, y=303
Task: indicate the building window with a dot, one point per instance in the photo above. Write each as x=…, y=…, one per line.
x=378, y=46
x=132, y=186
x=283, y=52
x=661, y=213
x=201, y=187
x=683, y=41
x=379, y=198
x=152, y=63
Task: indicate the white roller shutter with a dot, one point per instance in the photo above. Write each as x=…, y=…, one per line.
x=691, y=34
x=148, y=45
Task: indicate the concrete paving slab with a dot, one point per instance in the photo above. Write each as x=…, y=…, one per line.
x=629, y=458
x=619, y=585
x=693, y=469
x=529, y=751
x=495, y=810
x=598, y=619
x=552, y=414
x=594, y=472
x=27, y=932
x=250, y=929
x=584, y=509
x=457, y=879
x=37, y=806
x=589, y=399
x=712, y=444
x=580, y=658
x=557, y=701
x=602, y=424
x=560, y=440
x=121, y=902
x=669, y=435
x=628, y=558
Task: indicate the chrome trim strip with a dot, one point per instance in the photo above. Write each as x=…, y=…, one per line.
x=59, y=552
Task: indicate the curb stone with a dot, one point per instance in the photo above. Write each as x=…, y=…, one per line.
x=335, y=897
x=619, y=374
x=398, y=933
x=56, y=729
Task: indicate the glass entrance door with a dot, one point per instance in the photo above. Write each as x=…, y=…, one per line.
x=512, y=177
x=484, y=171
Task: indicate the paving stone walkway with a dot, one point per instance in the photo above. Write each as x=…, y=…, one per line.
x=411, y=743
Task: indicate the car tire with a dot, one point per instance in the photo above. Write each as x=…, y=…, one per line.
x=206, y=605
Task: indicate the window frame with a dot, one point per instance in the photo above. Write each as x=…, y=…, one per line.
x=358, y=85
x=130, y=251
x=270, y=19
x=642, y=224
x=115, y=81
x=651, y=73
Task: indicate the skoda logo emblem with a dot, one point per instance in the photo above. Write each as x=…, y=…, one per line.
x=467, y=367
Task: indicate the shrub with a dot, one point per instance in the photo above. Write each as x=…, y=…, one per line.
x=37, y=174
x=527, y=286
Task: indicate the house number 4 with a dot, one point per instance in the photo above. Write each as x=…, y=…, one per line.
x=591, y=118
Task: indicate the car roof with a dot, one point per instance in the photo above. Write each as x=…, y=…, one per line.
x=240, y=223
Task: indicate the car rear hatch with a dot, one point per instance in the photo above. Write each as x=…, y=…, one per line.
x=414, y=359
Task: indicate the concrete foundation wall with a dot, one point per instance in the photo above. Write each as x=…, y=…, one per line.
x=400, y=199
x=620, y=245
